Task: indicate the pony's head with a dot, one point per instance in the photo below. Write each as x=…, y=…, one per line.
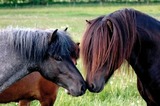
x=51, y=52
x=62, y=56
x=105, y=44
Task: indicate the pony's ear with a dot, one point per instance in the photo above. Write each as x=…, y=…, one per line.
x=89, y=22
x=66, y=29
x=78, y=43
x=110, y=25
x=54, y=35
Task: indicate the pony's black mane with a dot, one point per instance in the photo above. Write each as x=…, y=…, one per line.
x=34, y=44
x=63, y=45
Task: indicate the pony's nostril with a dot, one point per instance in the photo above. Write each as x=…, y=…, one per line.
x=83, y=88
x=92, y=86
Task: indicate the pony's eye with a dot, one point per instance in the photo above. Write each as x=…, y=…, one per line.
x=58, y=58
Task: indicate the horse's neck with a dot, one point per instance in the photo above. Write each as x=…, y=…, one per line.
x=148, y=23
x=11, y=77
x=11, y=66
x=8, y=57
x=145, y=57
x=11, y=70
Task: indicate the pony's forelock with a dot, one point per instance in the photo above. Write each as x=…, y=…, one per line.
x=63, y=44
x=97, y=46
x=101, y=48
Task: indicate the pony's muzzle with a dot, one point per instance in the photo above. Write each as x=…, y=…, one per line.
x=83, y=89
x=94, y=88
x=78, y=92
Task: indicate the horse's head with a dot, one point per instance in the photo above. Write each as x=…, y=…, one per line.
x=59, y=65
x=94, y=53
x=102, y=51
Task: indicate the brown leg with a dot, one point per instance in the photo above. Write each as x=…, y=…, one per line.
x=24, y=103
x=46, y=102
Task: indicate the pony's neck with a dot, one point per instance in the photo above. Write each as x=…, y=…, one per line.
x=147, y=24
x=12, y=75
x=146, y=49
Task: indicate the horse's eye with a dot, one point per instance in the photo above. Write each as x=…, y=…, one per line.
x=58, y=58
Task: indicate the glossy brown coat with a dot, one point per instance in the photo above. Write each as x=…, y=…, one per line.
x=31, y=87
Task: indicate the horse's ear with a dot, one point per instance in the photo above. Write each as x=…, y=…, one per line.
x=89, y=22
x=110, y=25
x=78, y=43
x=54, y=35
x=66, y=29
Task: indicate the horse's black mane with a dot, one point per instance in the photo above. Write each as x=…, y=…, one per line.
x=63, y=45
x=33, y=44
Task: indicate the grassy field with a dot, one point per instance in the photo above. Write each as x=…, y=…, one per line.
x=121, y=89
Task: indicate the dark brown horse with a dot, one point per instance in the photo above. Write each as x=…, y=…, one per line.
x=34, y=87
x=123, y=35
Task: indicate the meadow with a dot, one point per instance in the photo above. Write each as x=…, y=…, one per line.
x=121, y=89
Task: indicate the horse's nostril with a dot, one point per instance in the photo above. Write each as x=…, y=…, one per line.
x=92, y=86
x=83, y=88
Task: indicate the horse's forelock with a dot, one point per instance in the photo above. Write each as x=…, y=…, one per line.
x=94, y=45
x=99, y=47
x=63, y=44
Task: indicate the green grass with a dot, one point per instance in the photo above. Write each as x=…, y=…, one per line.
x=121, y=89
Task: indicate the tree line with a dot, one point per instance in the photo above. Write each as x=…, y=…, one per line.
x=47, y=2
